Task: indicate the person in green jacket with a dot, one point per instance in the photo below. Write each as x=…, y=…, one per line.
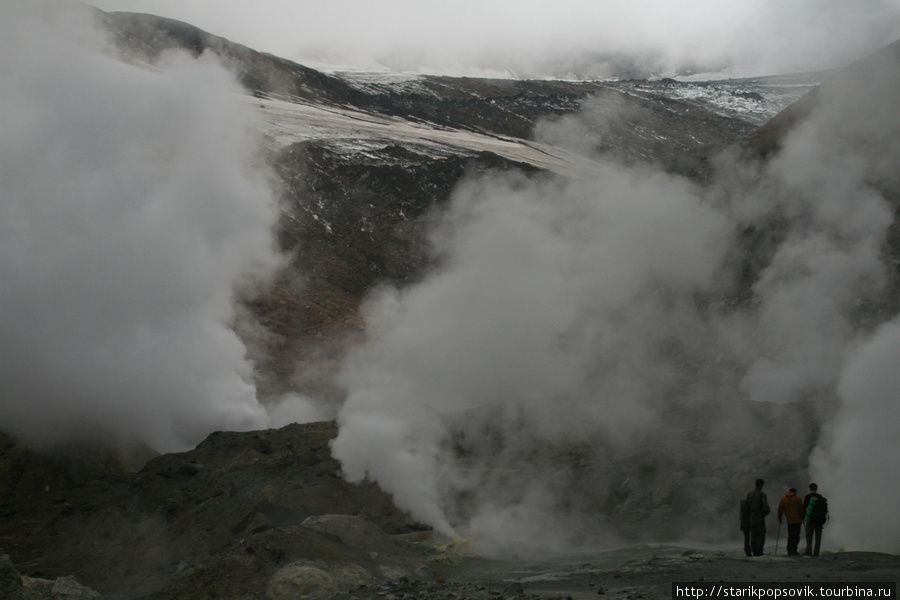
x=816, y=513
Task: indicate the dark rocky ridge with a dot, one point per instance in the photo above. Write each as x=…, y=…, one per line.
x=147, y=38
x=454, y=102
x=80, y=511
x=495, y=106
x=353, y=218
x=860, y=76
x=350, y=222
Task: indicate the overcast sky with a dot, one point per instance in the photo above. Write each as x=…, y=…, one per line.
x=515, y=35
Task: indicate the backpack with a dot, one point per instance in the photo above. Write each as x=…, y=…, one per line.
x=819, y=509
x=817, y=512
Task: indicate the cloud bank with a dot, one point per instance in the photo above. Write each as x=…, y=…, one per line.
x=131, y=206
x=536, y=38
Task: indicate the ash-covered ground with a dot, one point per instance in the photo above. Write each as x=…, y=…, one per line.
x=267, y=515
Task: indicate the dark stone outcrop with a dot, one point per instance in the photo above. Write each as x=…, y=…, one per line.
x=128, y=533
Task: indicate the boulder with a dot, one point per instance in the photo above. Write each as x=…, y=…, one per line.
x=14, y=586
x=10, y=580
x=62, y=588
x=307, y=580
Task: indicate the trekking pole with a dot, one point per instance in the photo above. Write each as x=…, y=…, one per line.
x=777, y=535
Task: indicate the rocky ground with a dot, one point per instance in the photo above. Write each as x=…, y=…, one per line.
x=416, y=567
x=638, y=572
x=266, y=515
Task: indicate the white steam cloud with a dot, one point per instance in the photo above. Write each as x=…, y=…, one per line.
x=130, y=208
x=550, y=320
x=862, y=448
x=592, y=351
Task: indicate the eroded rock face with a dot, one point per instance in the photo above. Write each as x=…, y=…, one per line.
x=62, y=588
x=238, y=495
x=10, y=580
x=353, y=217
x=15, y=587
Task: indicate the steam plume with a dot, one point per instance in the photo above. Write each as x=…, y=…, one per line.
x=591, y=352
x=130, y=208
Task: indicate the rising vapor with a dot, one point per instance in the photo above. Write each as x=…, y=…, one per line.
x=590, y=354
x=130, y=208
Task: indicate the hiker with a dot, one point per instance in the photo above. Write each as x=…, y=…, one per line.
x=791, y=509
x=815, y=514
x=758, y=508
x=745, y=525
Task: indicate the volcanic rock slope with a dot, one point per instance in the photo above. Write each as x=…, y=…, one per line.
x=364, y=162
x=228, y=514
x=365, y=159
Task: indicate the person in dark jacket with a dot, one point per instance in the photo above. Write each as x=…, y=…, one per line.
x=745, y=526
x=791, y=510
x=815, y=514
x=758, y=507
